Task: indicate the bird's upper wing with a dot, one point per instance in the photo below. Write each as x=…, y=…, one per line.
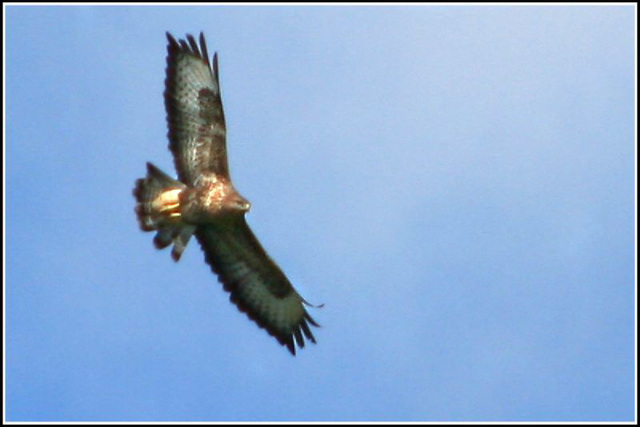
x=257, y=286
x=197, y=131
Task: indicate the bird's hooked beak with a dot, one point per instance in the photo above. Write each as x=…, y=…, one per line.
x=243, y=204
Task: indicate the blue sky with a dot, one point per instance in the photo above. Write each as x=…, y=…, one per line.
x=456, y=184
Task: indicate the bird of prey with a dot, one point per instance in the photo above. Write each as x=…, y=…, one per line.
x=204, y=202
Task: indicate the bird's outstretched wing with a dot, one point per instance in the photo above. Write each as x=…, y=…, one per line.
x=197, y=131
x=257, y=285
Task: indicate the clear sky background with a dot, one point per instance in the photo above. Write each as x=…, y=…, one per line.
x=456, y=184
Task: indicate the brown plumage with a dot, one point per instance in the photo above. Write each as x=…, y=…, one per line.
x=204, y=202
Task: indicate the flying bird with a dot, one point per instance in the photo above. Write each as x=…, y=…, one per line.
x=204, y=202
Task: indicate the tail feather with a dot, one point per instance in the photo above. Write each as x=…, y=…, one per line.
x=158, y=208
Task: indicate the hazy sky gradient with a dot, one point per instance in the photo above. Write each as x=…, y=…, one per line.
x=456, y=184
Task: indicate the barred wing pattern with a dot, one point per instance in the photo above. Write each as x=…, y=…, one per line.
x=197, y=131
x=257, y=286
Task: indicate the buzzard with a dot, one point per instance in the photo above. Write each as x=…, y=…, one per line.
x=204, y=202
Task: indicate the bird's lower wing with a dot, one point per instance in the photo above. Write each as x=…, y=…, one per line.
x=257, y=285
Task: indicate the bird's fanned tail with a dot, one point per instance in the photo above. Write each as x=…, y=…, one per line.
x=158, y=209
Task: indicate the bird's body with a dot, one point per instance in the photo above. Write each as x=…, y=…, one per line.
x=204, y=202
x=210, y=200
